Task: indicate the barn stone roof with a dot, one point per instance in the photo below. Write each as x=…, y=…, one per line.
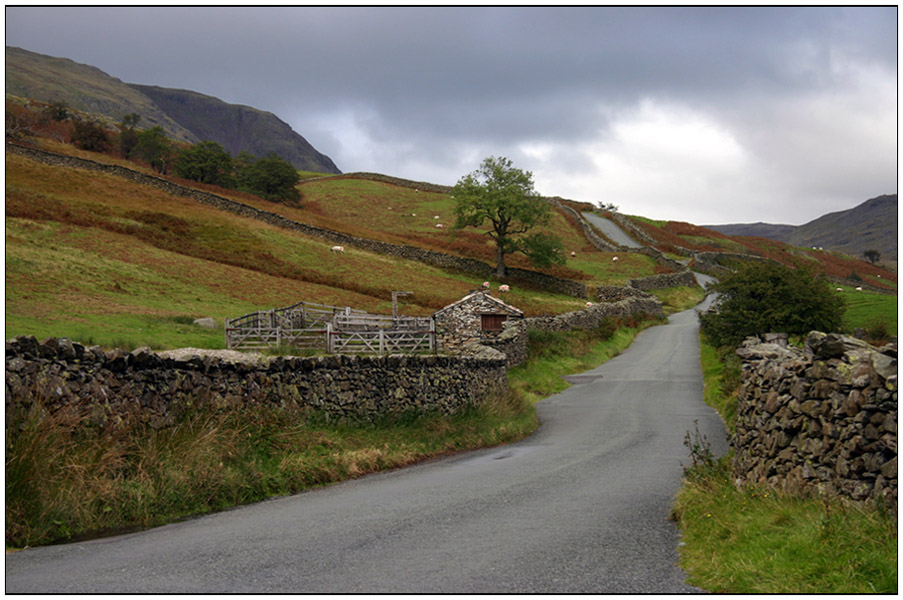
x=484, y=298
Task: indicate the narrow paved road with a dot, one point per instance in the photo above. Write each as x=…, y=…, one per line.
x=611, y=230
x=580, y=506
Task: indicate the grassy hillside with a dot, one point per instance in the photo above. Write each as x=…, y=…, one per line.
x=670, y=235
x=103, y=260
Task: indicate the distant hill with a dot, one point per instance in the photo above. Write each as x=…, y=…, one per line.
x=780, y=233
x=238, y=128
x=185, y=116
x=870, y=226
x=84, y=88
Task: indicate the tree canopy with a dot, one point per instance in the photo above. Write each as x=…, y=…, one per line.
x=768, y=297
x=206, y=162
x=503, y=195
x=271, y=177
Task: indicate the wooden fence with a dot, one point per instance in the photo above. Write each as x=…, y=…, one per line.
x=334, y=329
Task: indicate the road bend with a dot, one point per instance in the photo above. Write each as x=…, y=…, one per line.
x=580, y=506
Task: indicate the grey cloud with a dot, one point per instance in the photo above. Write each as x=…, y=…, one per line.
x=438, y=81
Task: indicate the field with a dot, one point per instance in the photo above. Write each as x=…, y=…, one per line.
x=103, y=260
x=871, y=312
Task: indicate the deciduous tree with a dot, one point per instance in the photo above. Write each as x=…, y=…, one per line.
x=873, y=256
x=206, y=162
x=503, y=195
x=153, y=146
x=270, y=177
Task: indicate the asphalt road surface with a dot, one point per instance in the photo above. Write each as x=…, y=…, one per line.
x=580, y=506
x=611, y=230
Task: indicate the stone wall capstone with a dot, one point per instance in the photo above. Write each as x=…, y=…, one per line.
x=153, y=387
x=820, y=419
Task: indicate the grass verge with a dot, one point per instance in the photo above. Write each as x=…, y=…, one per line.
x=67, y=479
x=754, y=540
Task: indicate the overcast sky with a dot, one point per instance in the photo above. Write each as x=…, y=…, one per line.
x=706, y=115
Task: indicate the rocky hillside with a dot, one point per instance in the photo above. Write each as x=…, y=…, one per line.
x=83, y=88
x=238, y=128
x=184, y=115
x=870, y=226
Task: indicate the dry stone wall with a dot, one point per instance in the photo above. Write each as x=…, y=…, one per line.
x=665, y=280
x=592, y=316
x=822, y=418
x=155, y=387
x=526, y=277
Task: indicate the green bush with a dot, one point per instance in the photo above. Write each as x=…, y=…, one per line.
x=769, y=297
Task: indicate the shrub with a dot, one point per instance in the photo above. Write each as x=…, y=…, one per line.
x=90, y=135
x=765, y=297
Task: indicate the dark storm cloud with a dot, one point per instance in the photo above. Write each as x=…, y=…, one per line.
x=423, y=92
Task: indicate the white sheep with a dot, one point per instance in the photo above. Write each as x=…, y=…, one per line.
x=338, y=249
x=436, y=217
x=504, y=288
x=839, y=290
x=859, y=289
x=589, y=305
x=485, y=285
x=573, y=254
x=615, y=259
x=439, y=226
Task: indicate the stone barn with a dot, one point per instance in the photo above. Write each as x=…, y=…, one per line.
x=477, y=317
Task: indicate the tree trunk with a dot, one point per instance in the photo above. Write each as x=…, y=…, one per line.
x=501, y=270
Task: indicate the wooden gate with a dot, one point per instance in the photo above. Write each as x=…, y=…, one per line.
x=337, y=330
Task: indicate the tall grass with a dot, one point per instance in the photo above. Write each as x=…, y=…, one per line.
x=69, y=477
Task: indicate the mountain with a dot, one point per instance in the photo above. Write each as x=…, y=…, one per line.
x=185, y=115
x=237, y=128
x=84, y=88
x=871, y=225
x=780, y=233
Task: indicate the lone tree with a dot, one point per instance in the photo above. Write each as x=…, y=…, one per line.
x=504, y=195
x=873, y=256
x=769, y=297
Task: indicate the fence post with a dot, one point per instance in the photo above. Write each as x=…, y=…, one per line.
x=432, y=335
x=382, y=341
x=329, y=348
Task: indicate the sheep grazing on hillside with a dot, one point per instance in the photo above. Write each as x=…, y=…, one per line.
x=485, y=285
x=589, y=305
x=573, y=254
x=859, y=289
x=615, y=259
x=838, y=290
x=436, y=217
x=504, y=288
x=439, y=226
x=338, y=249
